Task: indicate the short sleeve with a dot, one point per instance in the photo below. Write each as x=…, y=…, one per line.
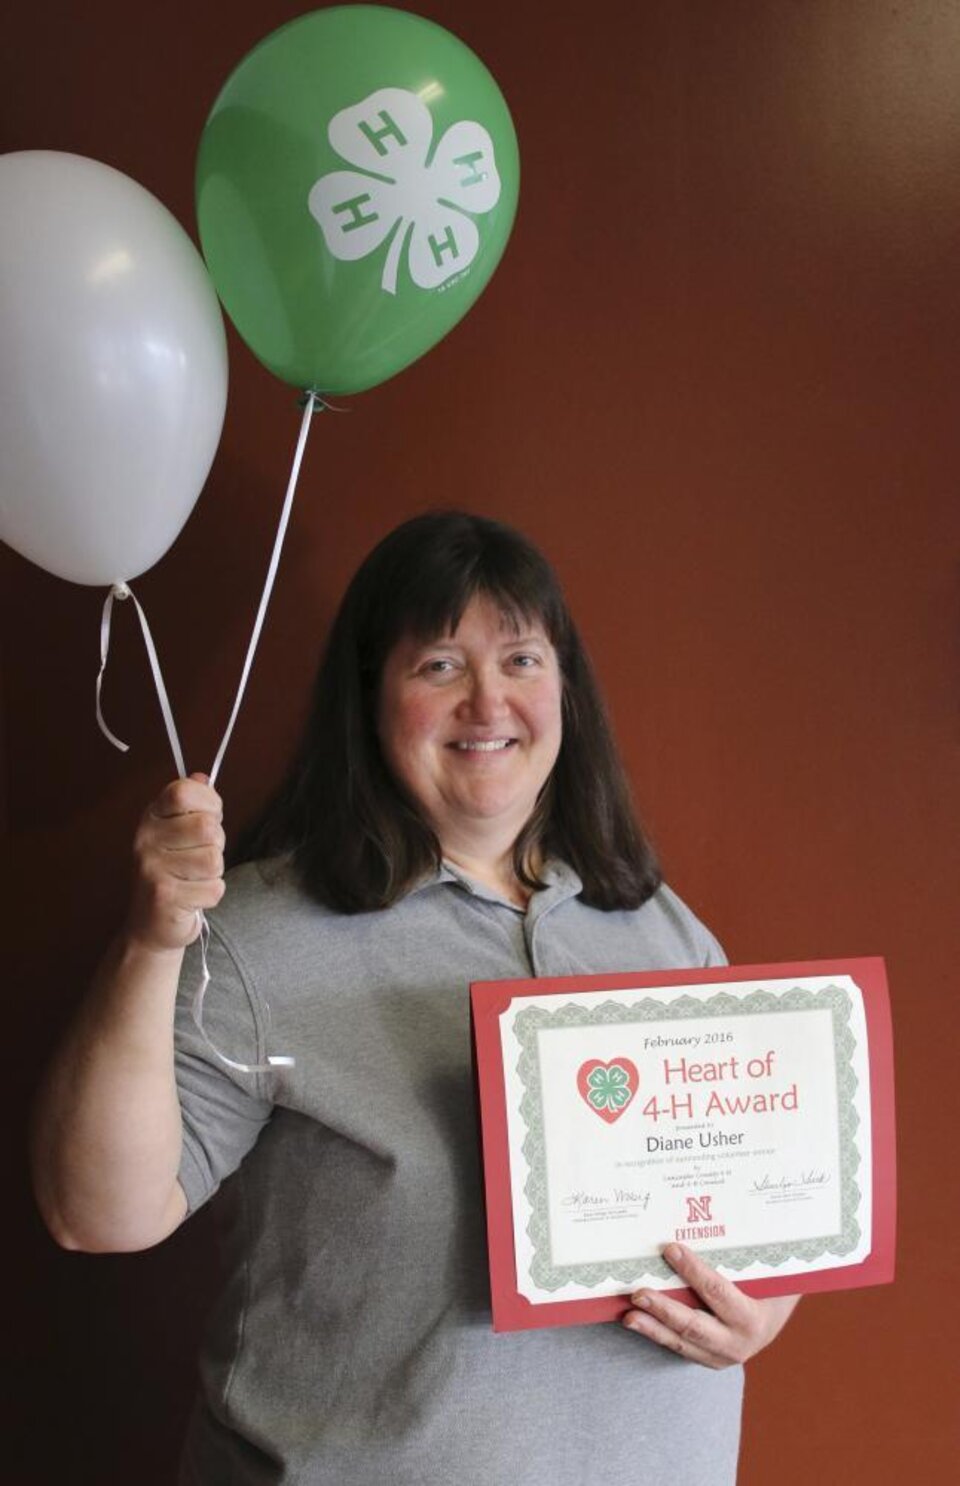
x=223, y=1111
x=715, y=954
x=700, y=946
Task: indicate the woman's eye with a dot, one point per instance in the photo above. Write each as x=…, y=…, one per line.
x=438, y=667
x=525, y=662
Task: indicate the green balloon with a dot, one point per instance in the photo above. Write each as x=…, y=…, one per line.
x=356, y=185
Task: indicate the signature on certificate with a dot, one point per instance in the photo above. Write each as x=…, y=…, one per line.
x=617, y=1197
x=768, y=1183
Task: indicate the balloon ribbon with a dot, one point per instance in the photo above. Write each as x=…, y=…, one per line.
x=312, y=403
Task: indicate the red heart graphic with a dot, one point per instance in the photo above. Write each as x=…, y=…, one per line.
x=604, y=1093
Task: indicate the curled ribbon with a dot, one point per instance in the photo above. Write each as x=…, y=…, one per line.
x=277, y=1060
x=122, y=592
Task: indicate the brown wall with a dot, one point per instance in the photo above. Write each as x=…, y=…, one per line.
x=716, y=376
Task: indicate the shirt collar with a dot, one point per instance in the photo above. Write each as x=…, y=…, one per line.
x=560, y=882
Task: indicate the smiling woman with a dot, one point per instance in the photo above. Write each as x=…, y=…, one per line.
x=470, y=729
x=457, y=812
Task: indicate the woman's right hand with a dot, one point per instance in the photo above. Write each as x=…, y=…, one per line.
x=178, y=851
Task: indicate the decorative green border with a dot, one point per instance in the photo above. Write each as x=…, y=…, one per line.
x=534, y=1019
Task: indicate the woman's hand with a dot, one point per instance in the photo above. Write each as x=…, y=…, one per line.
x=178, y=851
x=733, y=1328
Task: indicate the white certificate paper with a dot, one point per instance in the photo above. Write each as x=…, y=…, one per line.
x=736, y=1116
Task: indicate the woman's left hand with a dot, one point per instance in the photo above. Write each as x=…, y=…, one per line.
x=733, y=1328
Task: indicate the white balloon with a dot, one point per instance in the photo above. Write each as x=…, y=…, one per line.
x=113, y=369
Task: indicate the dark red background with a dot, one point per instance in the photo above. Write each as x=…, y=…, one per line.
x=716, y=377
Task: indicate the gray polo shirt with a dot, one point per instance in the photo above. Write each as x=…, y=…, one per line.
x=351, y=1343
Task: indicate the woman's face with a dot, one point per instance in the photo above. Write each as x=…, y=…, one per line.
x=469, y=725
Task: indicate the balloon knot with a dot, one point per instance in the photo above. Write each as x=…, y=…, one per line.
x=318, y=403
x=120, y=591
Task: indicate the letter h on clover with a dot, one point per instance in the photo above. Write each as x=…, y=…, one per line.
x=423, y=209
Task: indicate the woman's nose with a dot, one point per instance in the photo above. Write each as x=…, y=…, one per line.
x=485, y=698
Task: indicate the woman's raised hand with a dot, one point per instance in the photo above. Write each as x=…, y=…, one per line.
x=178, y=851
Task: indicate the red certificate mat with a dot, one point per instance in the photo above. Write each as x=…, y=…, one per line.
x=745, y=1110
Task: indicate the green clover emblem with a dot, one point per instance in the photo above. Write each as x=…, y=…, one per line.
x=420, y=200
x=609, y=1088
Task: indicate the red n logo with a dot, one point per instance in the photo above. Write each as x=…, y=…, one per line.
x=698, y=1209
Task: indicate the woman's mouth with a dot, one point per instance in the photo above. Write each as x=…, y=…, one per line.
x=483, y=745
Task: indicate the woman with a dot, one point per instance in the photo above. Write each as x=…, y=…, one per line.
x=457, y=813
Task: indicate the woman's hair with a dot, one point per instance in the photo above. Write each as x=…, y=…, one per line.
x=356, y=841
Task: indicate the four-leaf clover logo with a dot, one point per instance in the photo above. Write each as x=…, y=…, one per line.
x=421, y=200
x=608, y=1087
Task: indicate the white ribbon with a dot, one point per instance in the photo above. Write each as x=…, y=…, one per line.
x=311, y=402
x=278, y=1060
x=121, y=591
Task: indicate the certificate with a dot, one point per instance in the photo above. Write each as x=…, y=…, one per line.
x=746, y=1111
